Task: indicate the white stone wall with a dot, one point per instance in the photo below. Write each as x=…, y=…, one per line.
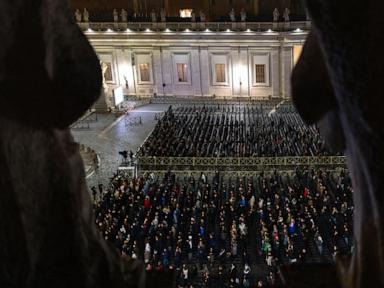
x=200, y=54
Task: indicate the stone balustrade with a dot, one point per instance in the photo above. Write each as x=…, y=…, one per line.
x=294, y=26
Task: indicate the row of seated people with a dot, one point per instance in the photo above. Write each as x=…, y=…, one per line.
x=205, y=133
x=228, y=232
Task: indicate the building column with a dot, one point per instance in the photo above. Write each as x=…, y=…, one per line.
x=256, y=7
x=135, y=7
x=166, y=6
x=196, y=71
x=204, y=70
x=158, y=71
x=281, y=70
x=167, y=70
x=288, y=67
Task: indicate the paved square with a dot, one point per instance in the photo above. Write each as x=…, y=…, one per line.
x=110, y=134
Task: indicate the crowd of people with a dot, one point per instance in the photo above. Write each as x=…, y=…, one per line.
x=228, y=232
x=232, y=131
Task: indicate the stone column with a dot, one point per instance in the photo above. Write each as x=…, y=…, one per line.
x=288, y=52
x=281, y=69
x=196, y=76
x=244, y=72
x=167, y=71
x=256, y=7
x=131, y=77
x=135, y=7
x=157, y=71
x=204, y=70
x=166, y=5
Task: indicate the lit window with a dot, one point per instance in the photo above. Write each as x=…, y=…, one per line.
x=260, y=73
x=182, y=72
x=297, y=49
x=220, y=73
x=185, y=13
x=144, y=72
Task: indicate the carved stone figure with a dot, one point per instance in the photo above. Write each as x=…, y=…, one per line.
x=162, y=15
x=243, y=15
x=78, y=15
x=286, y=15
x=202, y=16
x=115, y=16
x=85, y=15
x=124, y=15
x=104, y=68
x=193, y=17
x=346, y=100
x=232, y=15
x=276, y=15
x=153, y=16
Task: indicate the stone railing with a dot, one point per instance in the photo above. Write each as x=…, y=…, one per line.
x=236, y=163
x=168, y=27
x=268, y=102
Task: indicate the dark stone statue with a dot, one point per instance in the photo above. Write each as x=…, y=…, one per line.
x=49, y=76
x=338, y=83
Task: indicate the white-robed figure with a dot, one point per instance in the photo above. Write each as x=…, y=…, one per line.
x=247, y=269
x=147, y=252
x=190, y=247
x=184, y=273
x=203, y=178
x=243, y=229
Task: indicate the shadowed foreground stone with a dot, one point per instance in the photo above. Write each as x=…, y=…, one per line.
x=342, y=68
x=49, y=75
x=309, y=275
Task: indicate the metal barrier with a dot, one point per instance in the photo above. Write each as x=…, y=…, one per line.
x=236, y=164
x=84, y=121
x=230, y=173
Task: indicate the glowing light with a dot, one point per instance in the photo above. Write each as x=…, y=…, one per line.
x=240, y=76
x=269, y=31
x=185, y=13
x=298, y=30
x=248, y=30
x=167, y=30
x=109, y=30
x=128, y=30
x=228, y=30
x=148, y=30
x=89, y=30
x=187, y=30
x=207, y=30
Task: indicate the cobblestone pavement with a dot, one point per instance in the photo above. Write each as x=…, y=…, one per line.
x=110, y=134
